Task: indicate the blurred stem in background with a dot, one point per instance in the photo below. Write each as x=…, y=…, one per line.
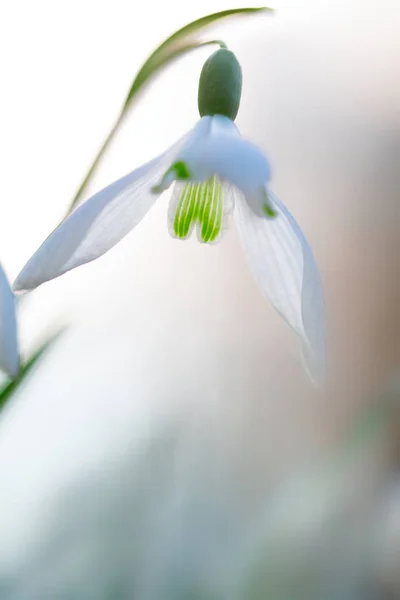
x=9, y=388
x=182, y=41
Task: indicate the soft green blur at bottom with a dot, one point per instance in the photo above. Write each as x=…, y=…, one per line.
x=202, y=203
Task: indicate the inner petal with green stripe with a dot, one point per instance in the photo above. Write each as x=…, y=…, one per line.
x=206, y=205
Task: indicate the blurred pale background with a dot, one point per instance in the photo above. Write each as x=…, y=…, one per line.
x=149, y=443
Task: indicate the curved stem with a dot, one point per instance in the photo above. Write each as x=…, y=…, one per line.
x=95, y=164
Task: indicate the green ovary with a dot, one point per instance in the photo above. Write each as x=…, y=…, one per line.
x=200, y=203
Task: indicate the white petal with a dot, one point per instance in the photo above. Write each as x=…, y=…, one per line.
x=219, y=150
x=284, y=267
x=96, y=225
x=9, y=357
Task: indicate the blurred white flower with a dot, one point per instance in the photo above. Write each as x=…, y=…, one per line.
x=9, y=356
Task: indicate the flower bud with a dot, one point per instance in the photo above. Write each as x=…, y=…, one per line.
x=220, y=85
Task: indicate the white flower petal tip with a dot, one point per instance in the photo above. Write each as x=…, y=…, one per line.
x=20, y=287
x=18, y=291
x=285, y=269
x=314, y=365
x=9, y=355
x=96, y=225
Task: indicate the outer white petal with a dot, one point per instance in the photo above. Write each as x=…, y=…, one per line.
x=96, y=225
x=9, y=356
x=220, y=150
x=285, y=269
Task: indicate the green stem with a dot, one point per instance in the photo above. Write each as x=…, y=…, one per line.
x=95, y=164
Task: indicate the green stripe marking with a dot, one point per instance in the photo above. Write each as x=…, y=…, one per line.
x=200, y=203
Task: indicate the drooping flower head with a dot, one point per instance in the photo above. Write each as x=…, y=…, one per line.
x=214, y=173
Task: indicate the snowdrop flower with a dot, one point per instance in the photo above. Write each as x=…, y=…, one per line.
x=215, y=172
x=9, y=356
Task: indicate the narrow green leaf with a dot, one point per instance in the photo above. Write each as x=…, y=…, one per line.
x=10, y=387
x=177, y=44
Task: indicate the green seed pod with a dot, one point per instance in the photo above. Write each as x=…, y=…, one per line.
x=220, y=85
